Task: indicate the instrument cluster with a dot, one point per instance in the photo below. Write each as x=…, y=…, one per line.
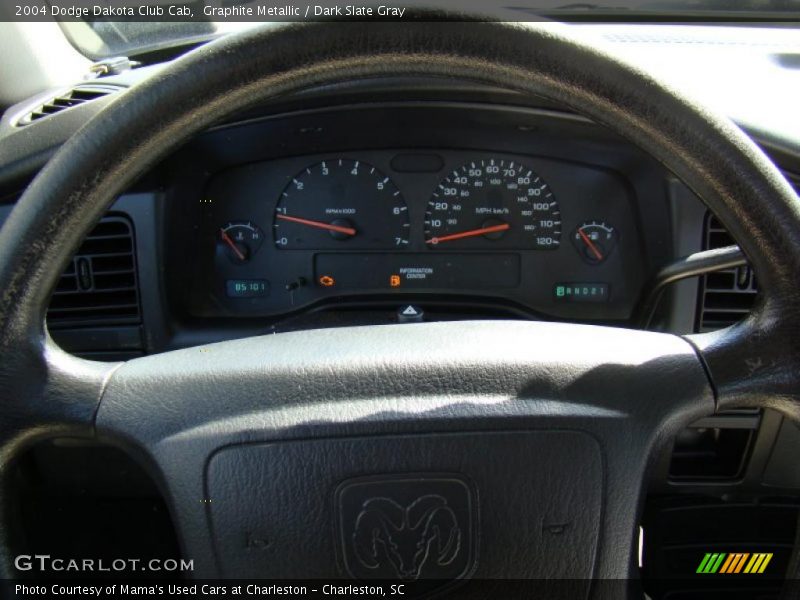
x=534, y=233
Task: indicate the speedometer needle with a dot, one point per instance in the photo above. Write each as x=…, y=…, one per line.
x=318, y=224
x=227, y=239
x=470, y=233
x=597, y=254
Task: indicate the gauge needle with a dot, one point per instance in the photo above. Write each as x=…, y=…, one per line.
x=597, y=254
x=470, y=233
x=319, y=224
x=227, y=239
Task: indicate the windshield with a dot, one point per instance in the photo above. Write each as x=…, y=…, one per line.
x=129, y=27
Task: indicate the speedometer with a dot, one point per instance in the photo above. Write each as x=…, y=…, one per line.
x=341, y=204
x=493, y=204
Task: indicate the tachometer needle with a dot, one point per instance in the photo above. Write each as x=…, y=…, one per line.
x=470, y=233
x=597, y=254
x=318, y=224
x=227, y=239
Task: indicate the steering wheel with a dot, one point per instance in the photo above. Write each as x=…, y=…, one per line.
x=440, y=450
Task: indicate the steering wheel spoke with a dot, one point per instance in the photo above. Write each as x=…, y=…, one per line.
x=46, y=392
x=755, y=363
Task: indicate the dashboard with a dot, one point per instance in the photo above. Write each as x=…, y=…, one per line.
x=520, y=259
x=475, y=207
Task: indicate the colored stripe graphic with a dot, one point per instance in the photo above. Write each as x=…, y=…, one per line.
x=733, y=563
x=726, y=565
x=758, y=563
x=737, y=566
x=767, y=558
x=715, y=566
x=753, y=564
x=703, y=563
x=711, y=562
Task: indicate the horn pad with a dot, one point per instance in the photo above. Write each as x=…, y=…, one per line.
x=409, y=507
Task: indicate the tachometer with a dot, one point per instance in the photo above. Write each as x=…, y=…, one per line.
x=493, y=204
x=342, y=204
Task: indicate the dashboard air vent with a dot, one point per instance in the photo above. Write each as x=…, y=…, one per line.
x=74, y=97
x=727, y=296
x=100, y=285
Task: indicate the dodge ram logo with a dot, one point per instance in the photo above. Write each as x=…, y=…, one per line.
x=407, y=527
x=406, y=536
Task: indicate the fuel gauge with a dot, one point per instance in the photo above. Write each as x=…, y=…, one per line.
x=594, y=241
x=239, y=241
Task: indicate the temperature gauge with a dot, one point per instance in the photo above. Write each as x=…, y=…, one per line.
x=239, y=241
x=594, y=241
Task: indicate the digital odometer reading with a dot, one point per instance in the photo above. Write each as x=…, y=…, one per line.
x=343, y=204
x=493, y=204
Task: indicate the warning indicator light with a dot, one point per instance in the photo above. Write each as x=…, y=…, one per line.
x=327, y=281
x=394, y=280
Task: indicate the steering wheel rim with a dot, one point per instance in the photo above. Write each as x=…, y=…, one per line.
x=45, y=392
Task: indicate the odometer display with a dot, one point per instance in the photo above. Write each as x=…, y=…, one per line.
x=488, y=204
x=342, y=204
